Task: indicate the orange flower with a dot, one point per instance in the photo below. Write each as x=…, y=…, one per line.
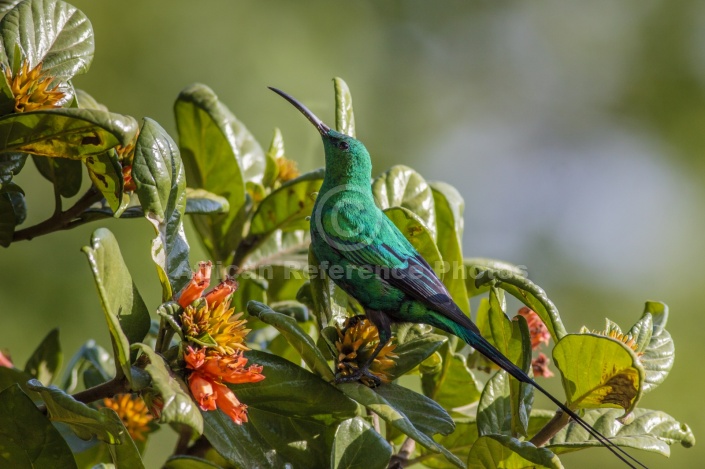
x=537, y=329
x=540, y=366
x=30, y=90
x=207, y=376
x=197, y=285
x=286, y=169
x=5, y=360
x=355, y=344
x=133, y=412
x=218, y=295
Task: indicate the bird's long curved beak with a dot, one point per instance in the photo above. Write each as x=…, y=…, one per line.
x=322, y=128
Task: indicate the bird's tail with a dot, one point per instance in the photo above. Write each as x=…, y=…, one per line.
x=484, y=347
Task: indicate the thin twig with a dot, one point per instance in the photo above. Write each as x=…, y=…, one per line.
x=62, y=220
x=401, y=459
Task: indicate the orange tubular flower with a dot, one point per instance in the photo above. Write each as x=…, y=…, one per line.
x=203, y=391
x=224, y=289
x=537, y=329
x=228, y=403
x=231, y=369
x=540, y=366
x=133, y=412
x=5, y=360
x=197, y=285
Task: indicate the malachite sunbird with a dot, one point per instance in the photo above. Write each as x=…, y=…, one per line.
x=365, y=254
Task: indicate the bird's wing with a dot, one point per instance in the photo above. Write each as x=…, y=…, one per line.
x=379, y=246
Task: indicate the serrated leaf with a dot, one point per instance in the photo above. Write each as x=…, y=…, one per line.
x=48, y=31
x=46, y=359
x=401, y=186
x=449, y=206
x=220, y=155
x=650, y=430
x=344, y=117
x=85, y=421
x=125, y=310
x=179, y=406
x=161, y=188
x=65, y=174
x=428, y=416
x=65, y=133
x=358, y=446
x=528, y=293
x=597, y=371
x=505, y=452
x=27, y=437
x=302, y=342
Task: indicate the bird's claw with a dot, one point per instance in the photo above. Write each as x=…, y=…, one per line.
x=360, y=374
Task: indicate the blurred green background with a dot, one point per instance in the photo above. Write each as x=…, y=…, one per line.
x=575, y=132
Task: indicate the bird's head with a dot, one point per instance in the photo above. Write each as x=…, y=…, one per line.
x=347, y=159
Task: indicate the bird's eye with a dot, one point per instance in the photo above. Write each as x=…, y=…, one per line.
x=343, y=145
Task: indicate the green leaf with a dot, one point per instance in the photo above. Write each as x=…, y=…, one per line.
x=220, y=155
x=528, y=293
x=188, y=462
x=428, y=416
x=86, y=101
x=289, y=249
x=449, y=205
x=10, y=165
x=202, y=202
x=179, y=406
x=302, y=342
x=124, y=308
x=358, y=446
x=505, y=452
x=275, y=151
x=27, y=438
x=92, y=360
x=105, y=172
x=344, y=117
x=598, y=372
x=7, y=5
x=325, y=295
x=48, y=31
x=418, y=235
x=13, y=211
x=412, y=352
x=11, y=376
x=476, y=266
x=65, y=174
x=457, y=387
x=161, y=187
x=46, y=359
x=659, y=352
x=287, y=207
x=291, y=390
x=85, y=421
x=65, y=133
x=501, y=411
x=125, y=454
x=401, y=186
x=650, y=430
x=459, y=443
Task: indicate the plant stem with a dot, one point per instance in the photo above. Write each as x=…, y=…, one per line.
x=553, y=426
x=401, y=459
x=107, y=389
x=60, y=220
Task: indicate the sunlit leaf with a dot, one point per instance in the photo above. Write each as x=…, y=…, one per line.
x=179, y=406
x=51, y=32
x=65, y=133
x=125, y=311
x=651, y=430
x=301, y=341
x=344, y=117
x=598, y=372
x=505, y=452
x=46, y=359
x=161, y=187
x=358, y=446
x=85, y=421
x=458, y=385
x=86, y=101
x=27, y=437
x=401, y=186
x=105, y=172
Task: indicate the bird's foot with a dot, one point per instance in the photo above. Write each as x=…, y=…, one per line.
x=363, y=375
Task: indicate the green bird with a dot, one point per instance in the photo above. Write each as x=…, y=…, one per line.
x=366, y=255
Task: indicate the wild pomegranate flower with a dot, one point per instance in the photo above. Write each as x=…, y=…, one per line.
x=356, y=342
x=133, y=412
x=126, y=156
x=287, y=169
x=5, y=360
x=537, y=329
x=220, y=324
x=540, y=366
x=30, y=90
x=200, y=281
x=206, y=381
